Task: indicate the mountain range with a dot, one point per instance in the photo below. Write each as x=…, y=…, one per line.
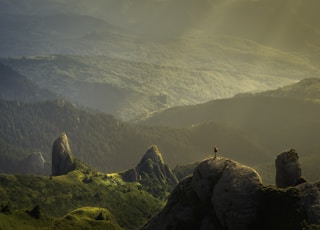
x=144, y=55
x=131, y=89
x=219, y=86
x=259, y=123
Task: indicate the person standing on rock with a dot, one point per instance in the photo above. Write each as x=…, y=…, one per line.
x=215, y=150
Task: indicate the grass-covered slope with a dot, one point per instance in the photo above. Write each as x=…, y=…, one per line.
x=58, y=197
x=81, y=218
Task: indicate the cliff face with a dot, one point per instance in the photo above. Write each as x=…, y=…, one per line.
x=62, y=158
x=224, y=194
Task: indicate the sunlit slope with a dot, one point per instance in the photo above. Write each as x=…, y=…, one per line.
x=158, y=54
x=62, y=199
x=286, y=24
x=267, y=118
x=278, y=120
x=156, y=75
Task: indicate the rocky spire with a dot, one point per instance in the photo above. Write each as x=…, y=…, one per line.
x=62, y=158
x=152, y=173
x=288, y=170
x=153, y=165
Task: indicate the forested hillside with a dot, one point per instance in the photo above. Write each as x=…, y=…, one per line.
x=186, y=71
x=108, y=144
x=16, y=87
x=124, y=57
x=277, y=120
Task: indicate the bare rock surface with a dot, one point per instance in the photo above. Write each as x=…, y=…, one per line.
x=288, y=170
x=62, y=158
x=221, y=193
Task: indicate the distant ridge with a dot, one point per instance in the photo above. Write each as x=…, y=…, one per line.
x=15, y=87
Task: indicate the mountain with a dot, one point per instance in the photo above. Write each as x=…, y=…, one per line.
x=129, y=89
x=108, y=144
x=277, y=120
x=145, y=55
x=25, y=35
x=152, y=173
x=287, y=24
x=15, y=87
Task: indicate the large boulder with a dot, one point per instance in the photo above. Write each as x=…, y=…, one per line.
x=234, y=197
x=224, y=194
x=221, y=193
x=288, y=170
x=62, y=158
x=310, y=196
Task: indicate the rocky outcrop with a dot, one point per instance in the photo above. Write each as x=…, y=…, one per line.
x=310, y=197
x=130, y=175
x=220, y=193
x=33, y=164
x=62, y=158
x=226, y=195
x=153, y=165
x=288, y=170
x=152, y=173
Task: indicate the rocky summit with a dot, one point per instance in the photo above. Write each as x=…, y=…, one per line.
x=152, y=172
x=153, y=164
x=224, y=194
x=288, y=169
x=62, y=158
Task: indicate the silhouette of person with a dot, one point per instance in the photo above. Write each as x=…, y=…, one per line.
x=215, y=150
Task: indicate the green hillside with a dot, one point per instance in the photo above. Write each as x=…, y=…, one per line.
x=61, y=199
x=82, y=218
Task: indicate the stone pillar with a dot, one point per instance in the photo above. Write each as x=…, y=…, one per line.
x=288, y=170
x=62, y=158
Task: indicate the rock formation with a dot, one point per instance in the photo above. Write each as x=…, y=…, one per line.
x=33, y=163
x=62, y=158
x=220, y=193
x=153, y=165
x=226, y=195
x=310, y=197
x=288, y=170
x=152, y=172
